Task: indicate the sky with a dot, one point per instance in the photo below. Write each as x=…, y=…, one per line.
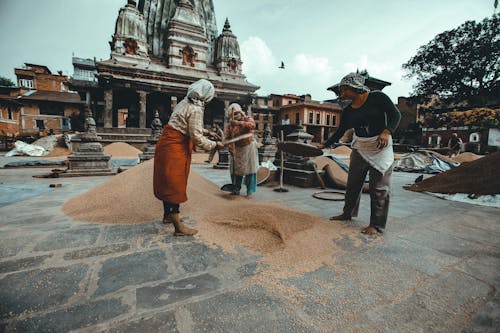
x=319, y=41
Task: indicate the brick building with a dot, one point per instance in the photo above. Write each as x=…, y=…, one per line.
x=40, y=104
x=319, y=119
x=39, y=77
x=10, y=111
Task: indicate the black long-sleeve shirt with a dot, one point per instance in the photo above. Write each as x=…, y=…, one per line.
x=376, y=114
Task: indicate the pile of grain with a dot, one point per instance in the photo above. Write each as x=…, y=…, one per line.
x=341, y=150
x=466, y=157
x=476, y=177
x=288, y=239
x=121, y=149
x=441, y=157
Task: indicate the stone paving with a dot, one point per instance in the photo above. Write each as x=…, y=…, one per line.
x=437, y=269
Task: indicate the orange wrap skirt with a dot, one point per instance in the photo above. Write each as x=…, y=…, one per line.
x=171, y=166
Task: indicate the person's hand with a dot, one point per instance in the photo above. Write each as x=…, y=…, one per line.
x=219, y=145
x=231, y=149
x=214, y=135
x=235, y=122
x=383, y=139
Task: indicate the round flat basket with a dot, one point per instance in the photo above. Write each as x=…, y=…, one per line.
x=299, y=149
x=262, y=175
x=330, y=195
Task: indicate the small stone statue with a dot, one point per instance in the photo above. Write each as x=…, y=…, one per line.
x=156, y=126
x=90, y=126
x=267, y=140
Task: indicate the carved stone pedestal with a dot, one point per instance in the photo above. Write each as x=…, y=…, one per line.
x=148, y=152
x=88, y=160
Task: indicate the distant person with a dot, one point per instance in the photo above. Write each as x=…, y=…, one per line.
x=286, y=120
x=455, y=145
x=245, y=158
x=172, y=160
x=216, y=134
x=374, y=118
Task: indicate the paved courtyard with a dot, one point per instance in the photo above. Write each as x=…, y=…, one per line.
x=437, y=269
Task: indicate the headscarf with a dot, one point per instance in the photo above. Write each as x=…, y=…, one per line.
x=233, y=109
x=201, y=92
x=354, y=80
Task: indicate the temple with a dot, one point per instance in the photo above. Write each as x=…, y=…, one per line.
x=158, y=49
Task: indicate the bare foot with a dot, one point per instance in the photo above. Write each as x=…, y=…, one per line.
x=248, y=196
x=369, y=230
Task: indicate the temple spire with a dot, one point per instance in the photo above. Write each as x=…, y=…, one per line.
x=227, y=26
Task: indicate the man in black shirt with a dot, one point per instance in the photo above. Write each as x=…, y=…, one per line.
x=374, y=118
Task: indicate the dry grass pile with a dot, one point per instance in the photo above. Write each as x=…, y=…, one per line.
x=476, y=177
x=121, y=149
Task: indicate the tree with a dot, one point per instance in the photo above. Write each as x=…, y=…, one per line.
x=460, y=65
x=6, y=82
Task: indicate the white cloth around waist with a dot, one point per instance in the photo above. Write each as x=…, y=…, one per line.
x=379, y=159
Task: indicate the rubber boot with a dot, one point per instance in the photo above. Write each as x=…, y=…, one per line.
x=180, y=228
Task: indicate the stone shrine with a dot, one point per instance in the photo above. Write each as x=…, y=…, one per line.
x=299, y=170
x=156, y=131
x=268, y=150
x=88, y=158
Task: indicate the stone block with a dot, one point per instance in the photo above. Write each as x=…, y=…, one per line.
x=244, y=310
x=130, y=270
x=38, y=290
x=22, y=264
x=96, y=251
x=68, y=239
x=161, y=323
x=74, y=317
x=173, y=292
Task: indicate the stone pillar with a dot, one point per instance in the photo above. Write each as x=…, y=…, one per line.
x=108, y=108
x=322, y=134
x=226, y=105
x=87, y=97
x=142, y=109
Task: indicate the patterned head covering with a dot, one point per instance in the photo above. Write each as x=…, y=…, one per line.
x=354, y=80
x=201, y=92
x=234, y=109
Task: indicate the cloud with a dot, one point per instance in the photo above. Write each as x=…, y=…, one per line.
x=257, y=57
x=304, y=73
x=382, y=70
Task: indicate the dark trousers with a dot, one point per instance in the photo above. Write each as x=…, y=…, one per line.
x=379, y=190
x=170, y=208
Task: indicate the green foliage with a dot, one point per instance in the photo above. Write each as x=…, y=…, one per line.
x=6, y=82
x=461, y=64
x=477, y=117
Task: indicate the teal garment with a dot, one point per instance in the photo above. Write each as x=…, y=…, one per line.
x=250, y=183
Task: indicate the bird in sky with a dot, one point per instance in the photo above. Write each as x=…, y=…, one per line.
x=282, y=65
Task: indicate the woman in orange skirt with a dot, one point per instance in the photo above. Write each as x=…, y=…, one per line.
x=173, y=152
